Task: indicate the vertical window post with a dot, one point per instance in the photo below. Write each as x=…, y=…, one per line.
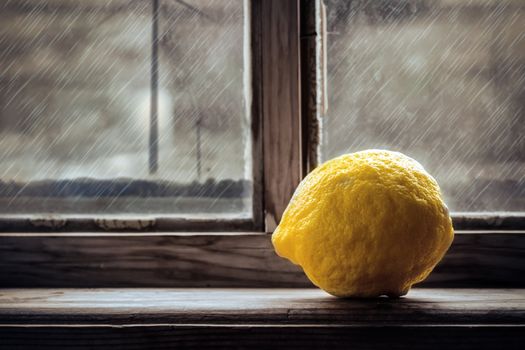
x=281, y=105
x=154, y=127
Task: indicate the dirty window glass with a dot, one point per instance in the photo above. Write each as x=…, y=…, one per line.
x=442, y=81
x=124, y=106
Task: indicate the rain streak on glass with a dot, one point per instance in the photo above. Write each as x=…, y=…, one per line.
x=76, y=117
x=441, y=81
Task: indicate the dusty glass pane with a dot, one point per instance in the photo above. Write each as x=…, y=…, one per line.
x=75, y=108
x=442, y=81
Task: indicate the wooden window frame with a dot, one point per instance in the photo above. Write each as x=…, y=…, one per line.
x=99, y=222
x=275, y=113
x=164, y=252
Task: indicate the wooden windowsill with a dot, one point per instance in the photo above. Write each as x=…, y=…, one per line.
x=164, y=318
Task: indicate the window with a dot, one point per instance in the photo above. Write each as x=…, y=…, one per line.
x=244, y=79
x=121, y=107
x=442, y=81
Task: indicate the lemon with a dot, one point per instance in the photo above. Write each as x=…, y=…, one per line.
x=366, y=224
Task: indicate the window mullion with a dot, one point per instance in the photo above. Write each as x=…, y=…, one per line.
x=154, y=127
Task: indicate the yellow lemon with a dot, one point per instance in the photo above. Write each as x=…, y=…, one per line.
x=366, y=224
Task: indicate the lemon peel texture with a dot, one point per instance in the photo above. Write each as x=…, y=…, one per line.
x=366, y=224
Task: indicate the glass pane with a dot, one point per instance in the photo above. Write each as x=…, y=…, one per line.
x=442, y=81
x=75, y=108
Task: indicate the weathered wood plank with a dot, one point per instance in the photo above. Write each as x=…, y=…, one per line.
x=253, y=64
x=312, y=89
x=281, y=105
x=261, y=337
x=37, y=223
x=258, y=306
x=147, y=260
x=259, y=318
x=489, y=221
x=476, y=259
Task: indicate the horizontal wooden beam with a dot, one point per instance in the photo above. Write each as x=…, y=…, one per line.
x=147, y=224
x=476, y=259
x=262, y=337
x=489, y=221
x=123, y=306
x=259, y=318
x=105, y=224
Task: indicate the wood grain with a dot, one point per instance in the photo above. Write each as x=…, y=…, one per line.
x=37, y=223
x=281, y=105
x=476, y=259
x=255, y=318
x=311, y=84
x=255, y=105
x=490, y=221
x=258, y=306
x=262, y=337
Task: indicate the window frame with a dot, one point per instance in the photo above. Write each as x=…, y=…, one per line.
x=487, y=251
x=276, y=133
x=164, y=222
x=314, y=79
